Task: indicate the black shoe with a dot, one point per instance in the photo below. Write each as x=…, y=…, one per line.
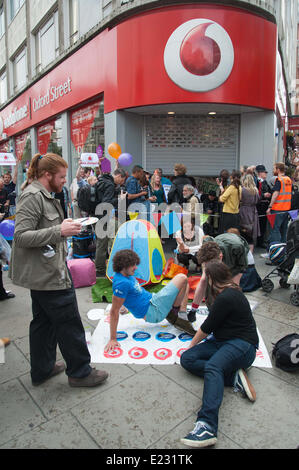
x=9, y=295
x=192, y=315
x=100, y=274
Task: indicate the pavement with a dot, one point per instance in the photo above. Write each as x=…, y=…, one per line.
x=143, y=406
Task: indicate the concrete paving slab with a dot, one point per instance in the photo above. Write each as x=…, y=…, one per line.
x=275, y=310
x=185, y=379
x=269, y=423
x=55, y=396
x=150, y=405
x=15, y=364
x=19, y=412
x=62, y=432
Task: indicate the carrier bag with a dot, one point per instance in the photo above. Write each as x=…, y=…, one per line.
x=83, y=272
x=286, y=353
x=294, y=275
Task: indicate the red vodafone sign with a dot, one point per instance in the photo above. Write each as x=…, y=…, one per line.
x=175, y=54
x=199, y=55
x=196, y=53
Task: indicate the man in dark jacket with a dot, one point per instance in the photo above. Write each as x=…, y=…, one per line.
x=265, y=194
x=107, y=191
x=180, y=180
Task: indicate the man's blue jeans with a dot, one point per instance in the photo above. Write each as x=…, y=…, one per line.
x=278, y=234
x=217, y=362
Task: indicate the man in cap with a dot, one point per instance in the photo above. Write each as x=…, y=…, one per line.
x=265, y=194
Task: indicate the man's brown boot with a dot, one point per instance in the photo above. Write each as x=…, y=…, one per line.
x=95, y=378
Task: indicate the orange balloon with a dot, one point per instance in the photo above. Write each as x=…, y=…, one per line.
x=114, y=150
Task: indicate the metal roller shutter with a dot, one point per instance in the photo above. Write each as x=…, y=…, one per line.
x=204, y=144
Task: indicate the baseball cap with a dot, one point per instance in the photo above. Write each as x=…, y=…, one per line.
x=260, y=168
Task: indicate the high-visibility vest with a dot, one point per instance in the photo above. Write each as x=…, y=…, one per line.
x=283, y=201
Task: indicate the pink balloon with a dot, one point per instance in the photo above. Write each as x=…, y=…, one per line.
x=125, y=159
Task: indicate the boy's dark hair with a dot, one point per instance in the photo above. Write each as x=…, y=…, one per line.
x=124, y=259
x=120, y=171
x=137, y=169
x=209, y=251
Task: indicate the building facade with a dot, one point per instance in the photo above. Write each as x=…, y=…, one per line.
x=210, y=84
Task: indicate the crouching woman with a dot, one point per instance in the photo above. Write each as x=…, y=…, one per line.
x=223, y=356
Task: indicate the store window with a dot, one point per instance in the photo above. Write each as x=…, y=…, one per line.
x=23, y=152
x=47, y=43
x=49, y=137
x=87, y=131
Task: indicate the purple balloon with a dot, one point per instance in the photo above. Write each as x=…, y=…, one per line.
x=99, y=151
x=7, y=228
x=125, y=159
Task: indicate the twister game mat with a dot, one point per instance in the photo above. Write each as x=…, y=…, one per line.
x=148, y=343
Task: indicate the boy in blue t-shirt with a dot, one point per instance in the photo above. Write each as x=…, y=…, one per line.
x=170, y=302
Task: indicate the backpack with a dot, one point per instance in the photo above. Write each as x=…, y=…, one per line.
x=286, y=353
x=86, y=197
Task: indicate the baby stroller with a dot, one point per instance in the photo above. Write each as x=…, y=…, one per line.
x=285, y=256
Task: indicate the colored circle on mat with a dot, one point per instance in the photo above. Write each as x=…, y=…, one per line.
x=165, y=336
x=121, y=335
x=162, y=354
x=138, y=353
x=141, y=336
x=185, y=337
x=180, y=351
x=117, y=352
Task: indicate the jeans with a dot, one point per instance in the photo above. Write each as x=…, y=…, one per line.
x=278, y=233
x=217, y=362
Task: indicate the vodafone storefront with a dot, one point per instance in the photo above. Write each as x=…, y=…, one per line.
x=191, y=83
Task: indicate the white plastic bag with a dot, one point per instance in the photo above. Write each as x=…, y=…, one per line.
x=294, y=275
x=5, y=250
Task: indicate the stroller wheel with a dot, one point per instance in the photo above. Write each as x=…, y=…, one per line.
x=267, y=285
x=294, y=299
x=283, y=283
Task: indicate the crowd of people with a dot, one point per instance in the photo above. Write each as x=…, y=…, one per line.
x=221, y=250
x=242, y=201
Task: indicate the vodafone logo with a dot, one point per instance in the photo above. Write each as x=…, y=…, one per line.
x=199, y=55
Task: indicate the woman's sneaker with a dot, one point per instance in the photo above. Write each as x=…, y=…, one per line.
x=242, y=384
x=201, y=436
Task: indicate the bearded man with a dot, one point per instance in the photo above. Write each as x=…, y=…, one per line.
x=38, y=262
